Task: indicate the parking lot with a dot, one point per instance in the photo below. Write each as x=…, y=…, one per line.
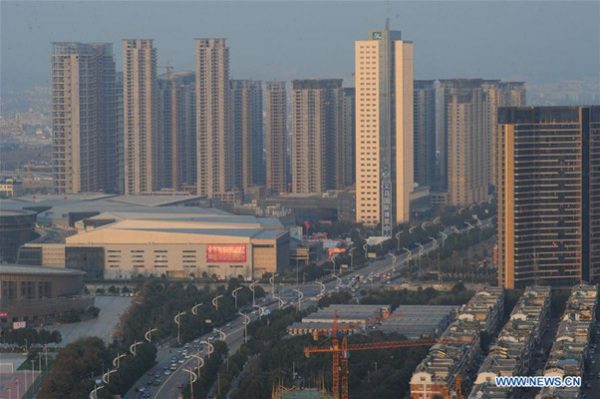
x=111, y=308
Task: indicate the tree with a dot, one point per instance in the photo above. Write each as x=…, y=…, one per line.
x=92, y=311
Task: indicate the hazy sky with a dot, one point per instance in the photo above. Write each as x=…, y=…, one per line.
x=536, y=41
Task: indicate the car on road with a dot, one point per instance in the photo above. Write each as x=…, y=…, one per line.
x=149, y=382
x=147, y=395
x=167, y=372
x=156, y=382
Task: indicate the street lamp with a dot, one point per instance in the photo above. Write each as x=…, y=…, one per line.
x=444, y=236
x=234, y=294
x=351, y=257
x=365, y=250
x=322, y=286
x=215, y=301
x=272, y=281
x=132, y=347
x=435, y=243
x=221, y=334
x=398, y=238
x=200, y=362
x=116, y=360
x=410, y=231
x=252, y=285
x=148, y=334
x=106, y=376
x=210, y=346
x=300, y=296
x=94, y=393
x=195, y=308
x=339, y=282
x=245, y=323
x=260, y=310
x=178, y=322
x=193, y=379
x=470, y=225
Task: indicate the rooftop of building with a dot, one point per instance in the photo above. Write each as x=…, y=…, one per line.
x=12, y=269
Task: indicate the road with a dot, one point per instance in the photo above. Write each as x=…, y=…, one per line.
x=168, y=388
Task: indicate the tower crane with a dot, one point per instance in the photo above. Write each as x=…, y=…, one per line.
x=341, y=351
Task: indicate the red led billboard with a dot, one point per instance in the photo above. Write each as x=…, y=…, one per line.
x=226, y=253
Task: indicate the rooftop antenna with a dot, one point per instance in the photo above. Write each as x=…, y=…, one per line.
x=387, y=16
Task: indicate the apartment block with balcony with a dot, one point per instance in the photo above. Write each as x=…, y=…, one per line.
x=459, y=351
x=572, y=343
x=516, y=345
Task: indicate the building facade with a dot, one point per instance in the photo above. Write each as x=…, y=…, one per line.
x=84, y=117
x=247, y=125
x=215, y=146
x=548, y=195
x=384, y=129
x=177, y=129
x=348, y=137
x=140, y=116
x=34, y=294
x=316, y=135
x=424, y=133
x=276, y=137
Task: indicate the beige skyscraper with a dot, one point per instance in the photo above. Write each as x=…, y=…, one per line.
x=316, y=130
x=140, y=116
x=215, y=146
x=84, y=117
x=247, y=125
x=384, y=129
x=276, y=134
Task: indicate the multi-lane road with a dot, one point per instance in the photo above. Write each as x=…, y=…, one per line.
x=170, y=385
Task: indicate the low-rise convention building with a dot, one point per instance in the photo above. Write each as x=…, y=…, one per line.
x=34, y=294
x=175, y=242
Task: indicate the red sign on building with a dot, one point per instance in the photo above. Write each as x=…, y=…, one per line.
x=226, y=253
x=3, y=314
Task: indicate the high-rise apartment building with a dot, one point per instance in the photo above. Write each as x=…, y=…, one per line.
x=215, y=146
x=140, y=116
x=316, y=131
x=548, y=177
x=120, y=135
x=467, y=130
x=177, y=129
x=424, y=132
x=348, y=137
x=275, y=135
x=247, y=125
x=384, y=129
x=84, y=117
x=466, y=140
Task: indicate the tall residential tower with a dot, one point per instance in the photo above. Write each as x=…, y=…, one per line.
x=384, y=129
x=177, y=129
x=215, y=146
x=548, y=177
x=84, y=117
x=316, y=131
x=247, y=125
x=276, y=137
x=140, y=116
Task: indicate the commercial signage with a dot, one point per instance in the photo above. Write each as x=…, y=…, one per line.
x=3, y=314
x=19, y=324
x=386, y=210
x=225, y=253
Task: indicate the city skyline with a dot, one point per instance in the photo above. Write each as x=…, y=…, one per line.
x=448, y=47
